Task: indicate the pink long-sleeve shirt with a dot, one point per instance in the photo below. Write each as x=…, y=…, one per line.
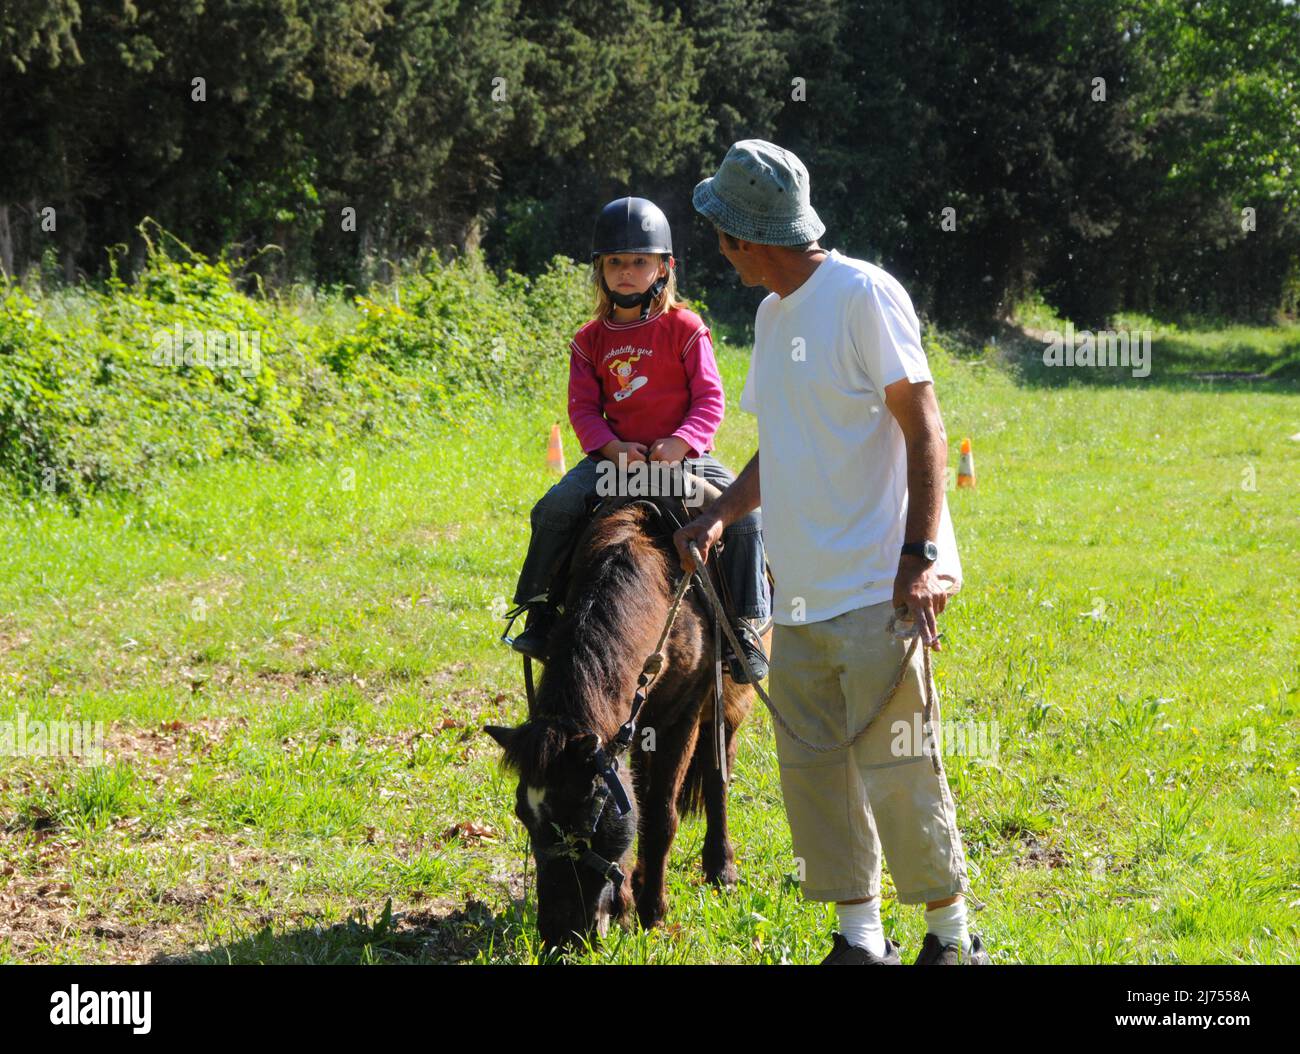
x=642, y=381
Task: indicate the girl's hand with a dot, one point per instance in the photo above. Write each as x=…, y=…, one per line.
x=634, y=451
x=672, y=449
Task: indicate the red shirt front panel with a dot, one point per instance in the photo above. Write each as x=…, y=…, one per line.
x=643, y=381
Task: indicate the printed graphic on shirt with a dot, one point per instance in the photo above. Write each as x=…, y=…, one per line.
x=623, y=369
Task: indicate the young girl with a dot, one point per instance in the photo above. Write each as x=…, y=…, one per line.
x=643, y=382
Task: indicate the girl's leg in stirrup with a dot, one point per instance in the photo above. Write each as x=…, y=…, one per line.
x=554, y=519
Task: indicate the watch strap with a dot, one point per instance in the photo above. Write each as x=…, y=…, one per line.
x=919, y=549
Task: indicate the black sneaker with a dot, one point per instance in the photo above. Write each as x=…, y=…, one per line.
x=750, y=637
x=537, y=631
x=933, y=953
x=845, y=954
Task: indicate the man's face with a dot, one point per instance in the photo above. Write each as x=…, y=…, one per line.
x=741, y=259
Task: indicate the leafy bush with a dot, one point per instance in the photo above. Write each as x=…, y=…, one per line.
x=103, y=389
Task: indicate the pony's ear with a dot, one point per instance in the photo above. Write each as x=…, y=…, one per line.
x=503, y=736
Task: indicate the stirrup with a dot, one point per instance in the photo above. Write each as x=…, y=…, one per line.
x=737, y=664
x=513, y=614
x=746, y=626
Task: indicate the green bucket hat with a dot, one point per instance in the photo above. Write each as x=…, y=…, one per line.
x=760, y=194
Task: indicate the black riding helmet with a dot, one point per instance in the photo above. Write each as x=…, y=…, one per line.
x=632, y=225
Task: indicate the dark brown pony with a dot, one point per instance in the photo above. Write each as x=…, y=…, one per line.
x=620, y=586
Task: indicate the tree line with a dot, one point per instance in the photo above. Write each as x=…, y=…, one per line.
x=1114, y=154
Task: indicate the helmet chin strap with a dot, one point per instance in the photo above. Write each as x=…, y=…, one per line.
x=644, y=300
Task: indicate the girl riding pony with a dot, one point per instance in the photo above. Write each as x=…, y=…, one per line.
x=643, y=384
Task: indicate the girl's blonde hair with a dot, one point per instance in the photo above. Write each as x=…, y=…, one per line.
x=665, y=301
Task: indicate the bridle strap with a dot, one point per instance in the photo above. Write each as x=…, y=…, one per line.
x=607, y=868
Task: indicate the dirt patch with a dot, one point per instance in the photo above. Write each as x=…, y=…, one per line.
x=49, y=908
x=12, y=636
x=309, y=675
x=169, y=739
x=38, y=906
x=449, y=673
x=41, y=913
x=40, y=909
x=1035, y=854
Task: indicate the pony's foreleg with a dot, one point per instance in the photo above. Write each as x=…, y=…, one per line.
x=624, y=900
x=659, y=820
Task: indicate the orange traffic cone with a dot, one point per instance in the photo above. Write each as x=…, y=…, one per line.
x=966, y=467
x=555, y=451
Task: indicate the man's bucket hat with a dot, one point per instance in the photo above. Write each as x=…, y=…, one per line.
x=760, y=194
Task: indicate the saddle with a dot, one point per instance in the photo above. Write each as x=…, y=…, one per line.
x=673, y=509
x=675, y=512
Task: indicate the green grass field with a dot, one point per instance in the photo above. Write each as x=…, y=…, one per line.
x=292, y=662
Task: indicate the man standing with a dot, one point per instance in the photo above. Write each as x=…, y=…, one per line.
x=855, y=524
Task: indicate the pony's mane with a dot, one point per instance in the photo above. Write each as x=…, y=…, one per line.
x=620, y=577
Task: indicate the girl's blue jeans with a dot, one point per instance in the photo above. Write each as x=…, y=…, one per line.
x=557, y=514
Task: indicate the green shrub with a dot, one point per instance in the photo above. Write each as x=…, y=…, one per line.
x=103, y=389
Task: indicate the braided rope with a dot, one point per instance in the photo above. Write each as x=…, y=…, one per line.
x=915, y=636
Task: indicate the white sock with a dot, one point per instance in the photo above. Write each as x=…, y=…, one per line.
x=860, y=924
x=949, y=925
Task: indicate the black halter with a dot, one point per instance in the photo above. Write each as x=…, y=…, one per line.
x=577, y=845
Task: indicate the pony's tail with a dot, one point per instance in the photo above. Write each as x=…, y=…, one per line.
x=690, y=798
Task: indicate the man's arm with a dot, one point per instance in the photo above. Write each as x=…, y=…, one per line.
x=916, y=586
x=738, y=499
x=742, y=497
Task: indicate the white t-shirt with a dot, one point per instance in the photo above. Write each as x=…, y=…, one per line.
x=833, y=463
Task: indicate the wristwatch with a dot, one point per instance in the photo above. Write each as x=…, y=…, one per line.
x=926, y=550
